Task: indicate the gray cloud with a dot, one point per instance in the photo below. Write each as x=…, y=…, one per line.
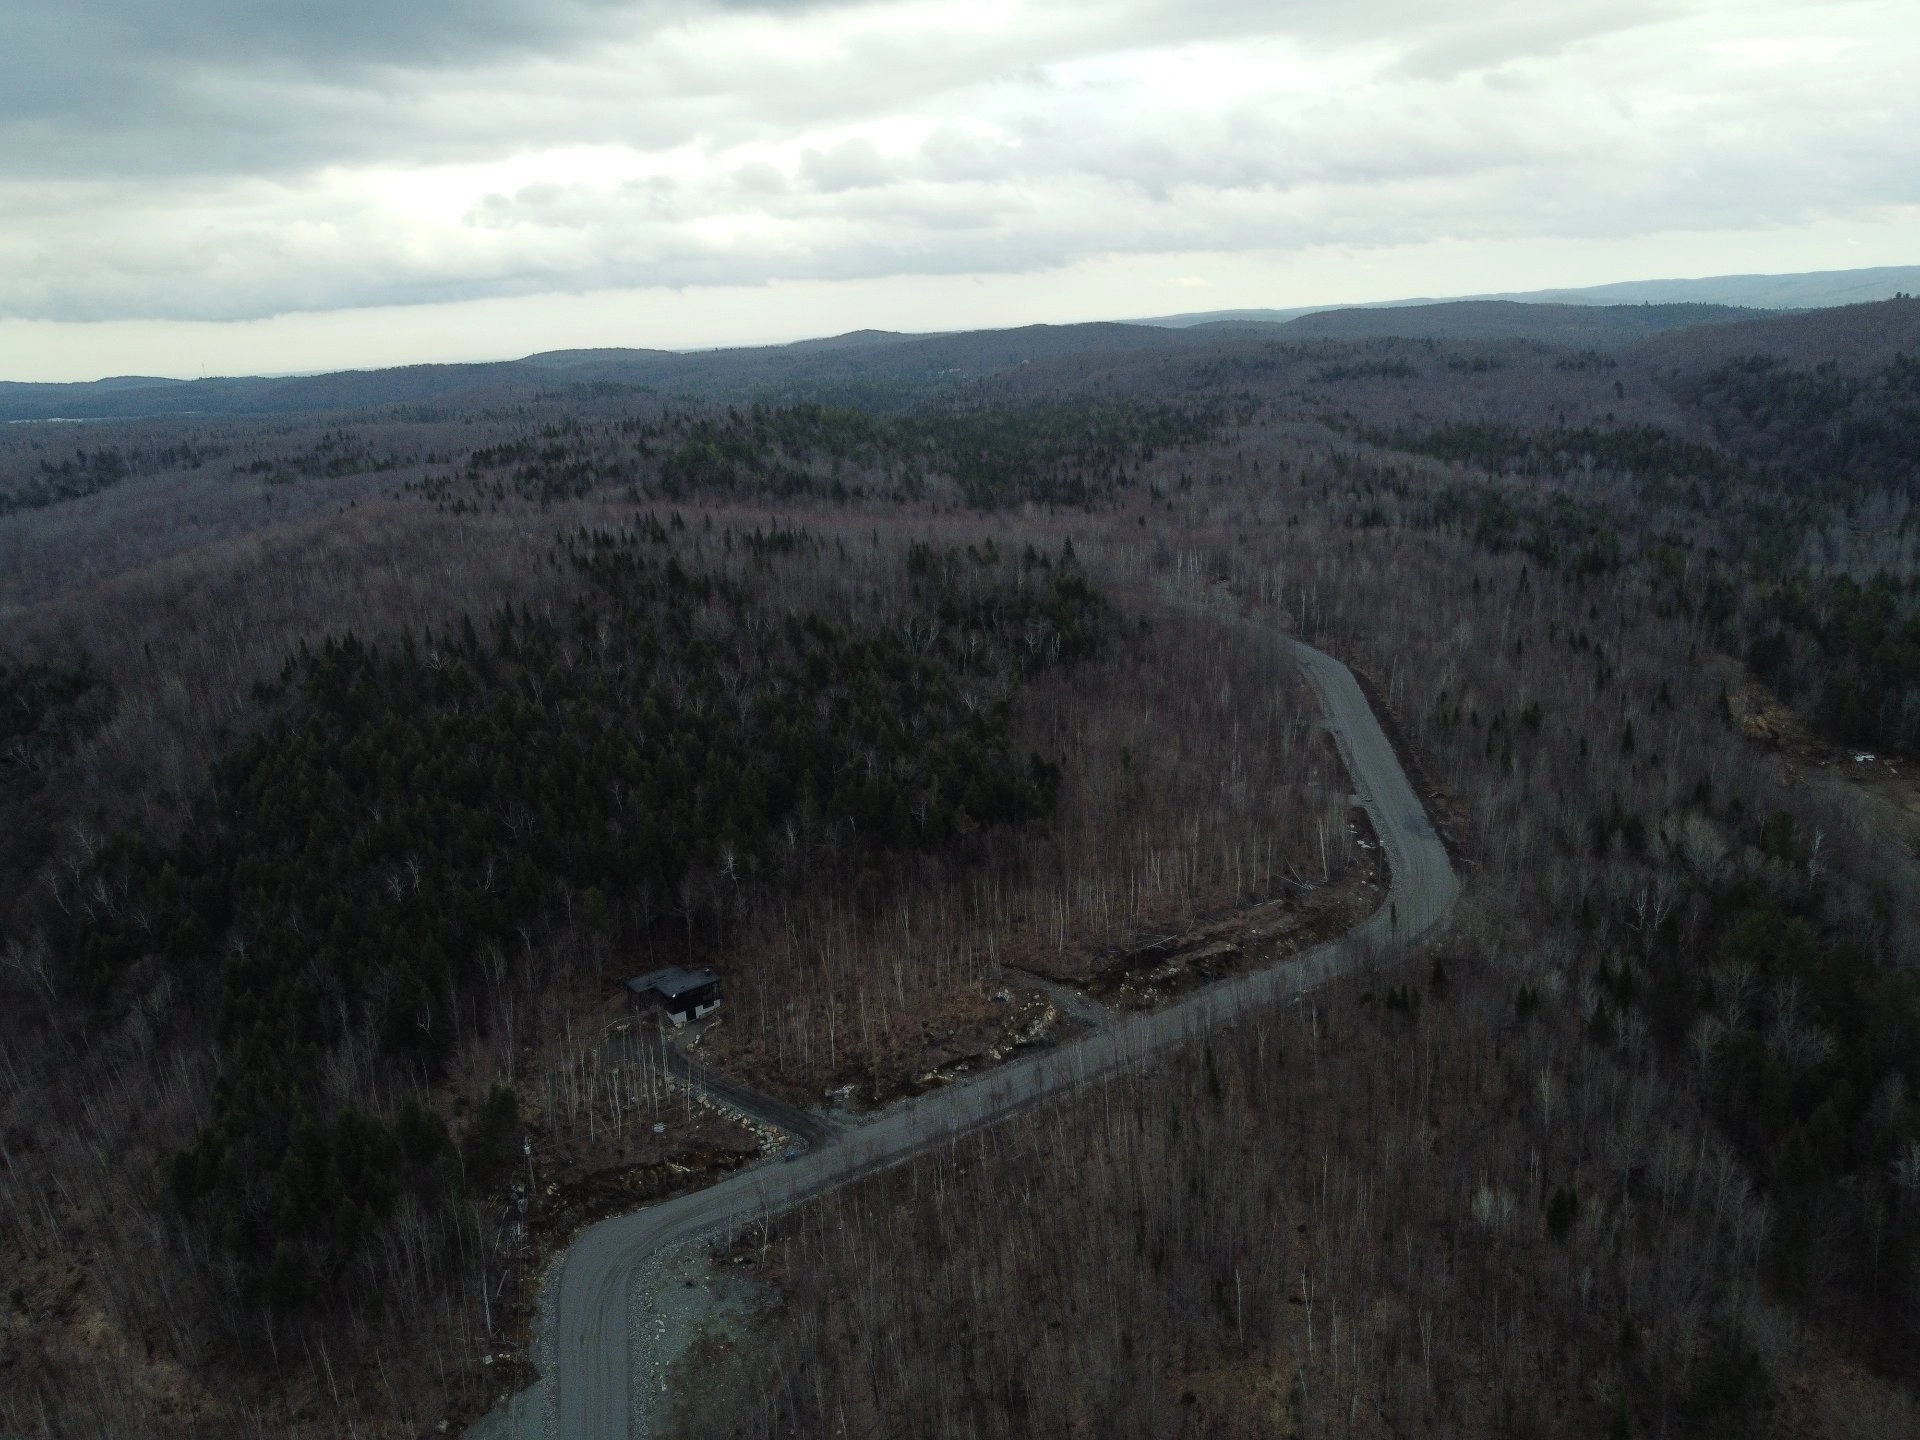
x=850, y=165
x=130, y=87
x=1535, y=33
x=216, y=159
x=109, y=84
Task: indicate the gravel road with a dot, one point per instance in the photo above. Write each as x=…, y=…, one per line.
x=586, y=1322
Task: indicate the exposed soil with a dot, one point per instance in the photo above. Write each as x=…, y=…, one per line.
x=976, y=1028
x=1761, y=717
x=716, y=1147
x=695, y=1318
x=1832, y=1398
x=580, y=1179
x=1883, y=790
x=1155, y=969
x=54, y=1322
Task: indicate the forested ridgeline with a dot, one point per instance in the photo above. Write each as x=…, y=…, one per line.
x=1838, y=431
x=1828, y=435
x=1068, y=451
x=1805, y=569
x=987, y=445
x=1772, y=492
x=35, y=476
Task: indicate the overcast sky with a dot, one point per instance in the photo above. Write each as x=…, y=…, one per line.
x=227, y=186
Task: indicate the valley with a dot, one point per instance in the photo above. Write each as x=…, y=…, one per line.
x=988, y=712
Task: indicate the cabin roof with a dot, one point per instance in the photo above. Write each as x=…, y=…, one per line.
x=670, y=981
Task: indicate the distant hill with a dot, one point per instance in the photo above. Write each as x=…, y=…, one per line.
x=878, y=369
x=1857, y=338
x=342, y=390
x=867, y=367
x=1813, y=290
x=1603, y=327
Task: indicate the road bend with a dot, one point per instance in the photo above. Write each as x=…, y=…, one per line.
x=587, y=1396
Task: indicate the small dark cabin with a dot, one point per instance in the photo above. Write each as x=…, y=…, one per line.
x=681, y=995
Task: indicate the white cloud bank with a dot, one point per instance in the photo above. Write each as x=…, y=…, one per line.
x=392, y=186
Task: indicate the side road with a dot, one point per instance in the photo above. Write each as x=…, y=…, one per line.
x=586, y=1355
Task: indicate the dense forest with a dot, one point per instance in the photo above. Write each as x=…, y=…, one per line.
x=422, y=805
x=1066, y=452
x=1655, y=1085
x=350, y=764
x=1740, y=533
x=407, y=810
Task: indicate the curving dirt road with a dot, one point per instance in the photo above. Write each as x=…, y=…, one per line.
x=587, y=1397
